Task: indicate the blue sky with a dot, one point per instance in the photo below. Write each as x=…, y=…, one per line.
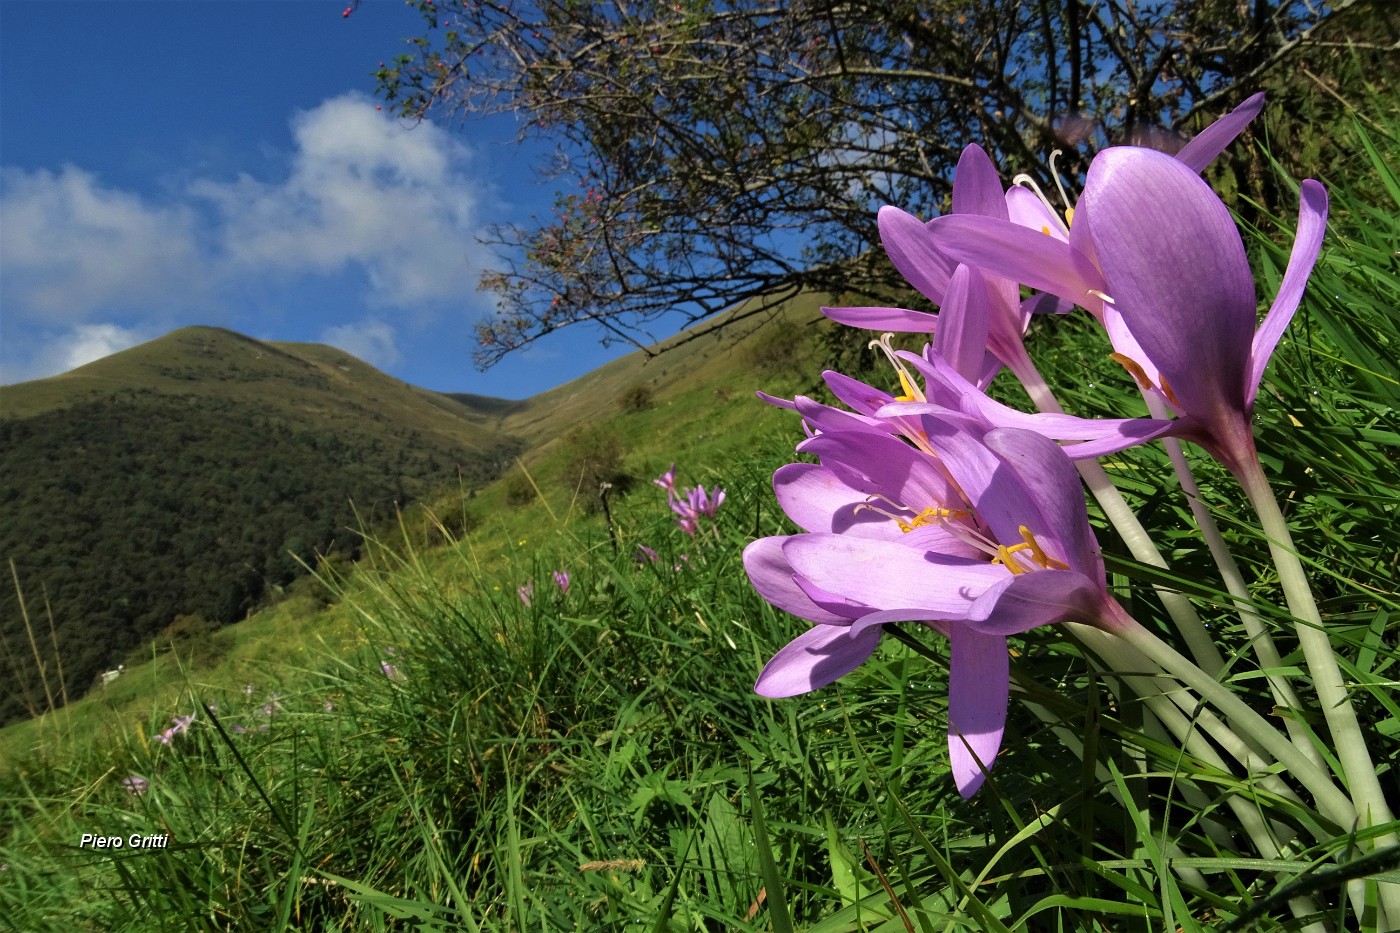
x=223, y=163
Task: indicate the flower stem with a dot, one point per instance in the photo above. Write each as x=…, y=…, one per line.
x=1358, y=770
x=1260, y=641
x=1125, y=522
x=1334, y=805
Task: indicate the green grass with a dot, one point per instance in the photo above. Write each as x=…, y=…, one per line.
x=597, y=759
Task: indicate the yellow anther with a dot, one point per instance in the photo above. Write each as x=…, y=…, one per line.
x=1133, y=367
x=1031, y=545
x=928, y=517
x=1038, y=553
x=1069, y=217
x=1044, y=229
x=911, y=394
x=1167, y=391
x=1004, y=557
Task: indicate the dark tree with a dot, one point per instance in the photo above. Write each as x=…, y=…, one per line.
x=741, y=149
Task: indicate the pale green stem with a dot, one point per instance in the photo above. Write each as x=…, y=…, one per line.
x=1260, y=641
x=1125, y=522
x=1333, y=804
x=1359, y=772
x=1121, y=657
x=1075, y=743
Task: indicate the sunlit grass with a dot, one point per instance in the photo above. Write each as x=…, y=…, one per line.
x=597, y=759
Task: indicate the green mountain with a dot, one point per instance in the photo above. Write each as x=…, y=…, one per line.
x=185, y=478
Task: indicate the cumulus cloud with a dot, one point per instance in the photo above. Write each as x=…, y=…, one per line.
x=370, y=340
x=71, y=247
x=50, y=354
x=365, y=203
x=363, y=191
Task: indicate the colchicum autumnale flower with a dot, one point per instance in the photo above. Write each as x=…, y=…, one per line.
x=976, y=534
x=1154, y=254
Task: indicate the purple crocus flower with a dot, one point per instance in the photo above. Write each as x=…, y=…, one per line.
x=646, y=555
x=389, y=670
x=692, y=504
x=181, y=723
x=1155, y=255
x=667, y=480
x=526, y=592
x=978, y=536
x=136, y=785
x=981, y=310
x=561, y=580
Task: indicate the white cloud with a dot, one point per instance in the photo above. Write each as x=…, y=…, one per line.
x=366, y=191
x=366, y=202
x=51, y=354
x=90, y=342
x=70, y=247
x=370, y=340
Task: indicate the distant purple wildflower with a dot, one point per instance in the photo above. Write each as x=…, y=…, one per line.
x=526, y=592
x=561, y=579
x=330, y=707
x=135, y=785
x=667, y=480
x=646, y=555
x=181, y=724
x=389, y=670
x=694, y=503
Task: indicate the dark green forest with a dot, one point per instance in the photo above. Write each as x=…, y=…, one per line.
x=126, y=512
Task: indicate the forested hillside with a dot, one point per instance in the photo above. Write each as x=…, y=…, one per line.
x=190, y=477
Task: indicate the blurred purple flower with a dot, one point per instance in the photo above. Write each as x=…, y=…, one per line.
x=330, y=707
x=181, y=724
x=667, y=480
x=692, y=504
x=389, y=670
x=526, y=592
x=646, y=555
x=561, y=579
x=135, y=785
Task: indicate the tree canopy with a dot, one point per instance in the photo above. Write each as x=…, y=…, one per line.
x=723, y=151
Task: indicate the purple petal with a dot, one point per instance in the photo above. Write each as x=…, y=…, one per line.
x=815, y=498
x=1021, y=602
x=1108, y=435
x=886, y=466
x=1312, y=224
x=1051, y=482
x=771, y=576
x=993, y=491
x=1177, y=272
x=1025, y=209
x=886, y=575
x=961, y=337
x=913, y=253
x=976, y=187
x=1027, y=256
x=979, y=679
x=1212, y=140
x=863, y=398
x=895, y=319
x=830, y=420
x=814, y=659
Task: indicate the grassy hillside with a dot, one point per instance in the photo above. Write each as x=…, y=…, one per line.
x=417, y=745
x=182, y=482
